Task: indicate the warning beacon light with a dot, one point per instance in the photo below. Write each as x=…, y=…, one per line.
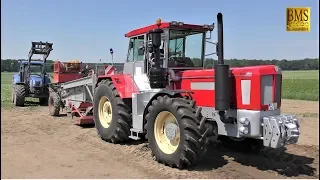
x=158, y=23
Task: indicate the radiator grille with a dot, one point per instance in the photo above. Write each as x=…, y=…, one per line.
x=267, y=86
x=278, y=88
x=266, y=89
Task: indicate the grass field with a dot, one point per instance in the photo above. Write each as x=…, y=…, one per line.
x=300, y=74
x=302, y=85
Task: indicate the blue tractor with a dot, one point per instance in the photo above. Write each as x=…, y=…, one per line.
x=32, y=79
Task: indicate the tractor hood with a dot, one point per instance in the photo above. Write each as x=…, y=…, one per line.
x=36, y=81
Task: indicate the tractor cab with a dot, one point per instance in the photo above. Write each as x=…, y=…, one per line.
x=32, y=73
x=35, y=67
x=182, y=45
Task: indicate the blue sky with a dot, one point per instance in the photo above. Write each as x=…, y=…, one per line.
x=85, y=30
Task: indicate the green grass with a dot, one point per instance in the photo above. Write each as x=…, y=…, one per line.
x=303, y=89
x=313, y=74
x=6, y=80
x=302, y=85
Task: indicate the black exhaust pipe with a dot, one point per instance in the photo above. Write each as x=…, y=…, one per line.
x=222, y=79
x=158, y=76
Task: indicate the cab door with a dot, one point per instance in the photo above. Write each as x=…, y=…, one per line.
x=135, y=64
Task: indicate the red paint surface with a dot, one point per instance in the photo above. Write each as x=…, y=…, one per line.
x=66, y=71
x=123, y=83
x=78, y=112
x=206, y=97
x=126, y=86
x=163, y=25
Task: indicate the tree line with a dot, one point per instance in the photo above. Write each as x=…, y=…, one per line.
x=12, y=65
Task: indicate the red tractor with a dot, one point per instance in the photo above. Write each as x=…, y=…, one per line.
x=165, y=95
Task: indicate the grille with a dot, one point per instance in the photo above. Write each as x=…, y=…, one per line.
x=278, y=88
x=37, y=83
x=267, y=84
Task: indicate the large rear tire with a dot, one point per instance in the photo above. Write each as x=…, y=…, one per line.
x=173, y=131
x=111, y=115
x=19, y=95
x=54, y=103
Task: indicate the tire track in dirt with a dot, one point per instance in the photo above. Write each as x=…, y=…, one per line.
x=219, y=162
x=79, y=153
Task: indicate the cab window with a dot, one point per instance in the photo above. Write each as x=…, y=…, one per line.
x=185, y=48
x=136, y=49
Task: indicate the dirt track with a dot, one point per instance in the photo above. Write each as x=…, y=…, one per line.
x=35, y=145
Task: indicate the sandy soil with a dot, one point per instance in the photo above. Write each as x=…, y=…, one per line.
x=35, y=145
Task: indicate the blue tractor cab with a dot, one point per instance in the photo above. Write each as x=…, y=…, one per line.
x=32, y=79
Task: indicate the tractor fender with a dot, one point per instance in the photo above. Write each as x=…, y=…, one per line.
x=170, y=93
x=124, y=84
x=16, y=79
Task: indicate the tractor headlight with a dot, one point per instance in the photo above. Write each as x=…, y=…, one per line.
x=33, y=83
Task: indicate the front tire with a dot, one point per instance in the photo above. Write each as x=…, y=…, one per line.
x=111, y=115
x=173, y=131
x=19, y=95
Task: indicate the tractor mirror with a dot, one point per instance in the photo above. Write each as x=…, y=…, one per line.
x=141, y=51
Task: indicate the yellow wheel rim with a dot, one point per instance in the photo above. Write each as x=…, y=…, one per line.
x=105, y=112
x=167, y=144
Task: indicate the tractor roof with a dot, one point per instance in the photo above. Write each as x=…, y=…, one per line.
x=165, y=25
x=32, y=62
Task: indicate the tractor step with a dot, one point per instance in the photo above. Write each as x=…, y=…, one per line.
x=135, y=134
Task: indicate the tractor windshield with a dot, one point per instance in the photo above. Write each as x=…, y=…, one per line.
x=185, y=48
x=35, y=68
